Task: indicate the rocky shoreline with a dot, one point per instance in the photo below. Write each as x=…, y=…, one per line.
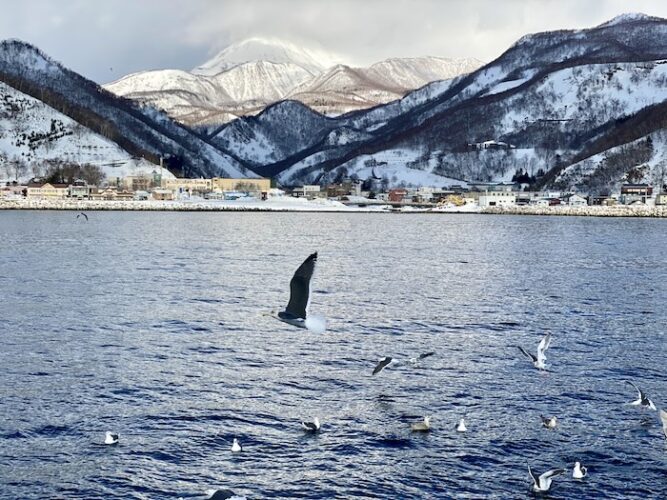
x=587, y=211
x=321, y=206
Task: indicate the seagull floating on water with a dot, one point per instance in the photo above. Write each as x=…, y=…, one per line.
x=542, y=484
x=222, y=495
x=313, y=426
x=462, y=426
x=80, y=214
x=579, y=471
x=541, y=358
x=642, y=400
x=236, y=446
x=549, y=422
x=663, y=419
x=111, y=438
x=296, y=312
x=424, y=426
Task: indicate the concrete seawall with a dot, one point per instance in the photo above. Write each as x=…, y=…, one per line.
x=587, y=211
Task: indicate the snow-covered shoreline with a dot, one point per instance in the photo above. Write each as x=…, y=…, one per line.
x=287, y=204
x=281, y=204
x=586, y=211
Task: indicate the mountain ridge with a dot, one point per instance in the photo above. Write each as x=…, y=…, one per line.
x=220, y=88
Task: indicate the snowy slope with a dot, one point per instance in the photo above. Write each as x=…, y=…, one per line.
x=35, y=134
x=260, y=81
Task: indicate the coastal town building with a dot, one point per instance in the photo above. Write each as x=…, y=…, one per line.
x=261, y=185
x=495, y=198
x=635, y=193
x=190, y=186
x=309, y=191
x=110, y=193
x=574, y=200
x=79, y=190
x=46, y=191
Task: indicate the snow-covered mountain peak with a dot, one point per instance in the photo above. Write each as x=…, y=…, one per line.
x=628, y=18
x=270, y=50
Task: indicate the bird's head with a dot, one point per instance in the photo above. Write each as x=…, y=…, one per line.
x=427, y=420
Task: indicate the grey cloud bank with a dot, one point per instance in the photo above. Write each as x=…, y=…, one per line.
x=107, y=40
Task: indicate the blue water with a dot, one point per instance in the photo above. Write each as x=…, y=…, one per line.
x=151, y=325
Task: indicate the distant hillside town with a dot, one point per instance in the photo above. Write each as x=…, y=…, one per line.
x=347, y=191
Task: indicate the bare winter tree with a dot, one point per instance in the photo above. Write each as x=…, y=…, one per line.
x=18, y=167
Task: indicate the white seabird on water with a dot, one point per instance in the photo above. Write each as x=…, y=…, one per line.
x=313, y=426
x=579, y=471
x=424, y=426
x=663, y=419
x=222, y=495
x=462, y=426
x=539, y=361
x=542, y=484
x=296, y=312
x=111, y=438
x=236, y=446
x=549, y=422
x=642, y=400
x=382, y=364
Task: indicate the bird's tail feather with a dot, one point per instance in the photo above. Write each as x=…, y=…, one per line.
x=316, y=324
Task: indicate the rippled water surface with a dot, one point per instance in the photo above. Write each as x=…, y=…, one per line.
x=151, y=324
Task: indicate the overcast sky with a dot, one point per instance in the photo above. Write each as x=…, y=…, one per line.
x=107, y=39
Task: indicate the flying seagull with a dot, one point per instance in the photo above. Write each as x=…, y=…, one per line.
x=382, y=364
x=579, y=471
x=296, y=312
x=111, y=438
x=79, y=215
x=313, y=426
x=222, y=495
x=540, y=359
x=663, y=419
x=549, y=422
x=542, y=483
x=462, y=426
x=424, y=426
x=236, y=446
x=420, y=357
x=642, y=400
x=388, y=360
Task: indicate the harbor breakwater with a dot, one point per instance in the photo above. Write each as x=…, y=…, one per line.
x=300, y=205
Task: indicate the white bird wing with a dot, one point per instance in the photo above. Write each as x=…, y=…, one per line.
x=527, y=354
x=663, y=419
x=640, y=394
x=545, y=479
x=544, y=344
x=382, y=364
x=535, y=480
